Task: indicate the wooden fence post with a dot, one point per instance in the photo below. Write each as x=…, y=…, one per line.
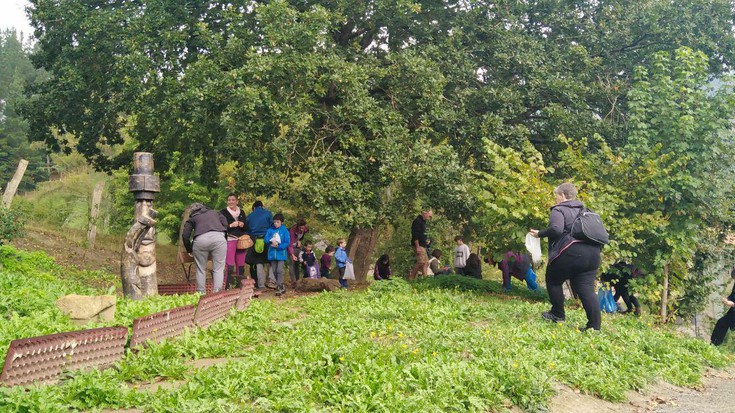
x=96, y=200
x=13, y=184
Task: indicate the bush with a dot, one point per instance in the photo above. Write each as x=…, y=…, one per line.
x=11, y=225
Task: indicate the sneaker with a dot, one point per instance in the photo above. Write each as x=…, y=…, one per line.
x=583, y=329
x=637, y=312
x=280, y=291
x=546, y=315
x=270, y=285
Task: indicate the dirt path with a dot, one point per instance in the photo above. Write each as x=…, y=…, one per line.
x=714, y=396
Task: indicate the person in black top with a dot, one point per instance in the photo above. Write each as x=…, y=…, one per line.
x=727, y=321
x=619, y=274
x=204, y=236
x=236, y=227
x=569, y=259
x=419, y=244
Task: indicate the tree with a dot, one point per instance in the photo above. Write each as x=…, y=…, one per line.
x=16, y=71
x=669, y=190
x=344, y=105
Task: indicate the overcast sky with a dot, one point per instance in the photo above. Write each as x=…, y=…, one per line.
x=13, y=15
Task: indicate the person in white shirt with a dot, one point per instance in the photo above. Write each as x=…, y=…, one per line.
x=461, y=253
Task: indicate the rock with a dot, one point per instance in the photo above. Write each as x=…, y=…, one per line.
x=317, y=284
x=83, y=309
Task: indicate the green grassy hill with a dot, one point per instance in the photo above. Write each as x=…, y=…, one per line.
x=393, y=347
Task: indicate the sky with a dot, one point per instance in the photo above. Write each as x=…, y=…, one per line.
x=13, y=15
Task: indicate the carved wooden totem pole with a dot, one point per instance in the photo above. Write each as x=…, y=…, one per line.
x=138, y=261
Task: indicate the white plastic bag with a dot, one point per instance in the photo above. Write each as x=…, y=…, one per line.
x=349, y=272
x=533, y=245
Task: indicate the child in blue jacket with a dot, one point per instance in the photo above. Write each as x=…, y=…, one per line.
x=278, y=240
x=340, y=256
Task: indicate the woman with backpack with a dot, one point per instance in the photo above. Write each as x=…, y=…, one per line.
x=570, y=259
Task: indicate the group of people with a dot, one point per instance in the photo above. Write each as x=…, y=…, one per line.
x=215, y=234
x=271, y=251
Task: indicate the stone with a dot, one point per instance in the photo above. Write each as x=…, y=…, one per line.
x=317, y=284
x=83, y=309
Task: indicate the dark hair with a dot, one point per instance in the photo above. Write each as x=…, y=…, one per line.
x=458, y=238
x=329, y=249
x=307, y=243
x=436, y=254
x=385, y=259
x=231, y=194
x=257, y=204
x=278, y=217
x=301, y=222
x=474, y=259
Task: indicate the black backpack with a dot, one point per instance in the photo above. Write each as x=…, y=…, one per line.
x=588, y=227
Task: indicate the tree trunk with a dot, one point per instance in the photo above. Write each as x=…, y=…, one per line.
x=96, y=200
x=361, y=245
x=13, y=184
x=665, y=294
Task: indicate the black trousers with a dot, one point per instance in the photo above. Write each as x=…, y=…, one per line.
x=621, y=290
x=725, y=323
x=578, y=264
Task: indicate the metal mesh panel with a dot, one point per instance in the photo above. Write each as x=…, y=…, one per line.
x=175, y=289
x=159, y=326
x=43, y=359
x=214, y=307
x=246, y=293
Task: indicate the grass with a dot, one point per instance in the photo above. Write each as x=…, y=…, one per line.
x=443, y=344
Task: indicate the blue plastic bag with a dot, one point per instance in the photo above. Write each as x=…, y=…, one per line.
x=607, y=301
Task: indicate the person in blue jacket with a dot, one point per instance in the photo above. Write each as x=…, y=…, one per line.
x=340, y=256
x=278, y=240
x=257, y=223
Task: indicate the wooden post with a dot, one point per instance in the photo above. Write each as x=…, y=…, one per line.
x=138, y=260
x=13, y=184
x=665, y=294
x=96, y=199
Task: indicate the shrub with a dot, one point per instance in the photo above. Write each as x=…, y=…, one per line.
x=11, y=224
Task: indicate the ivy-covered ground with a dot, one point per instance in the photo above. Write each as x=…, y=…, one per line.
x=445, y=344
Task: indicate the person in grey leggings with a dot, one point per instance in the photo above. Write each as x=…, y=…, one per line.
x=208, y=230
x=214, y=244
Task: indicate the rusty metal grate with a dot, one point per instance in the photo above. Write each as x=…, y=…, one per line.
x=43, y=359
x=246, y=293
x=175, y=289
x=159, y=326
x=213, y=307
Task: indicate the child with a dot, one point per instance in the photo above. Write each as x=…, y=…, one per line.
x=278, y=239
x=308, y=260
x=382, y=268
x=435, y=267
x=473, y=267
x=461, y=254
x=340, y=256
x=325, y=263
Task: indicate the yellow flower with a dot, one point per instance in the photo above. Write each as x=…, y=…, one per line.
x=415, y=351
x=433, y=353
x=372, y=334
x=405, y=346
x=515, y=365
x=341, y=359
